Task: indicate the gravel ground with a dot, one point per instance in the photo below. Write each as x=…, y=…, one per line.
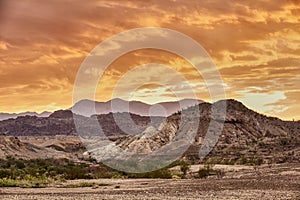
x=246, y=184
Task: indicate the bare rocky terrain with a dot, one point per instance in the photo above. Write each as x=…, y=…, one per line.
x=247, y=136
x=30, y=147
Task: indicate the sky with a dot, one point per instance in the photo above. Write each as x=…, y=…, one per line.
x=255, y=46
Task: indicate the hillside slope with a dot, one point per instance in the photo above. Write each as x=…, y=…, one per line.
x=247, y=136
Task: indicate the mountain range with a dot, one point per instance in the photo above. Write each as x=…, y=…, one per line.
x=246, y=134
x=4, y=116
x=89, y=107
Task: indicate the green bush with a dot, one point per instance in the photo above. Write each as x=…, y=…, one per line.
x=8, y=183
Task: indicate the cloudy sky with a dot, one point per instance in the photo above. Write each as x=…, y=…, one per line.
x=255, y=46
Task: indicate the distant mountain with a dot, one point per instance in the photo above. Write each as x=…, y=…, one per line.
x=61, y=122
x=88, y=107
x=4, y=116
x=85, y=108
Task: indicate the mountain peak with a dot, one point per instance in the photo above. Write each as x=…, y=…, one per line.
x=117, y=100
x=232, y=104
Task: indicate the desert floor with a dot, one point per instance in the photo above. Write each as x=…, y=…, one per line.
x=266, y=182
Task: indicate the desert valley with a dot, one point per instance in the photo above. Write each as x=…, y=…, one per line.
x=251, y=153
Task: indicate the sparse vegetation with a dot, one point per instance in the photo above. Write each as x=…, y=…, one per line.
x=27, y=181
x=253, y=161
x=184, y=168
x=43, y=172
x=8, y=183
x=86, y=184
x=161, y=173
x=208, y=170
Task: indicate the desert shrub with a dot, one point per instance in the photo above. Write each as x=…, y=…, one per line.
x=243, y=160
x=82, y=184
x=37, y=172
x=208, y=170
x=253, y=161
x=229, y=161
x=162, y=173
x=20, y=164
x=184, y=168
x=4, y=173
x=108, y=174
x=76, y=172
x=38, y=168
x=55, y=170
x=8, y=183
x=259, y=161
x=203, y=173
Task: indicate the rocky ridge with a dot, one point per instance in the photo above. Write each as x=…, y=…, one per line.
x=246, y=134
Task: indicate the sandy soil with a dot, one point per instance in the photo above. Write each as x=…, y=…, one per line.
x=264, y=183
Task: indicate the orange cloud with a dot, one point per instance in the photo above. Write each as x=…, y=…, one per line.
x=255, y=45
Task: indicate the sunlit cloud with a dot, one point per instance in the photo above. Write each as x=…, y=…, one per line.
x=263, y=102
x=254, y=44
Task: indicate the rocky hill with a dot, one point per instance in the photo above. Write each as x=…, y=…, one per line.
x=62, y=123
x=58, y=123
x=30, y=147
x=247, y=136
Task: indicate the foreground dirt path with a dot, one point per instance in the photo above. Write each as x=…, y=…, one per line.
x=279, y=182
